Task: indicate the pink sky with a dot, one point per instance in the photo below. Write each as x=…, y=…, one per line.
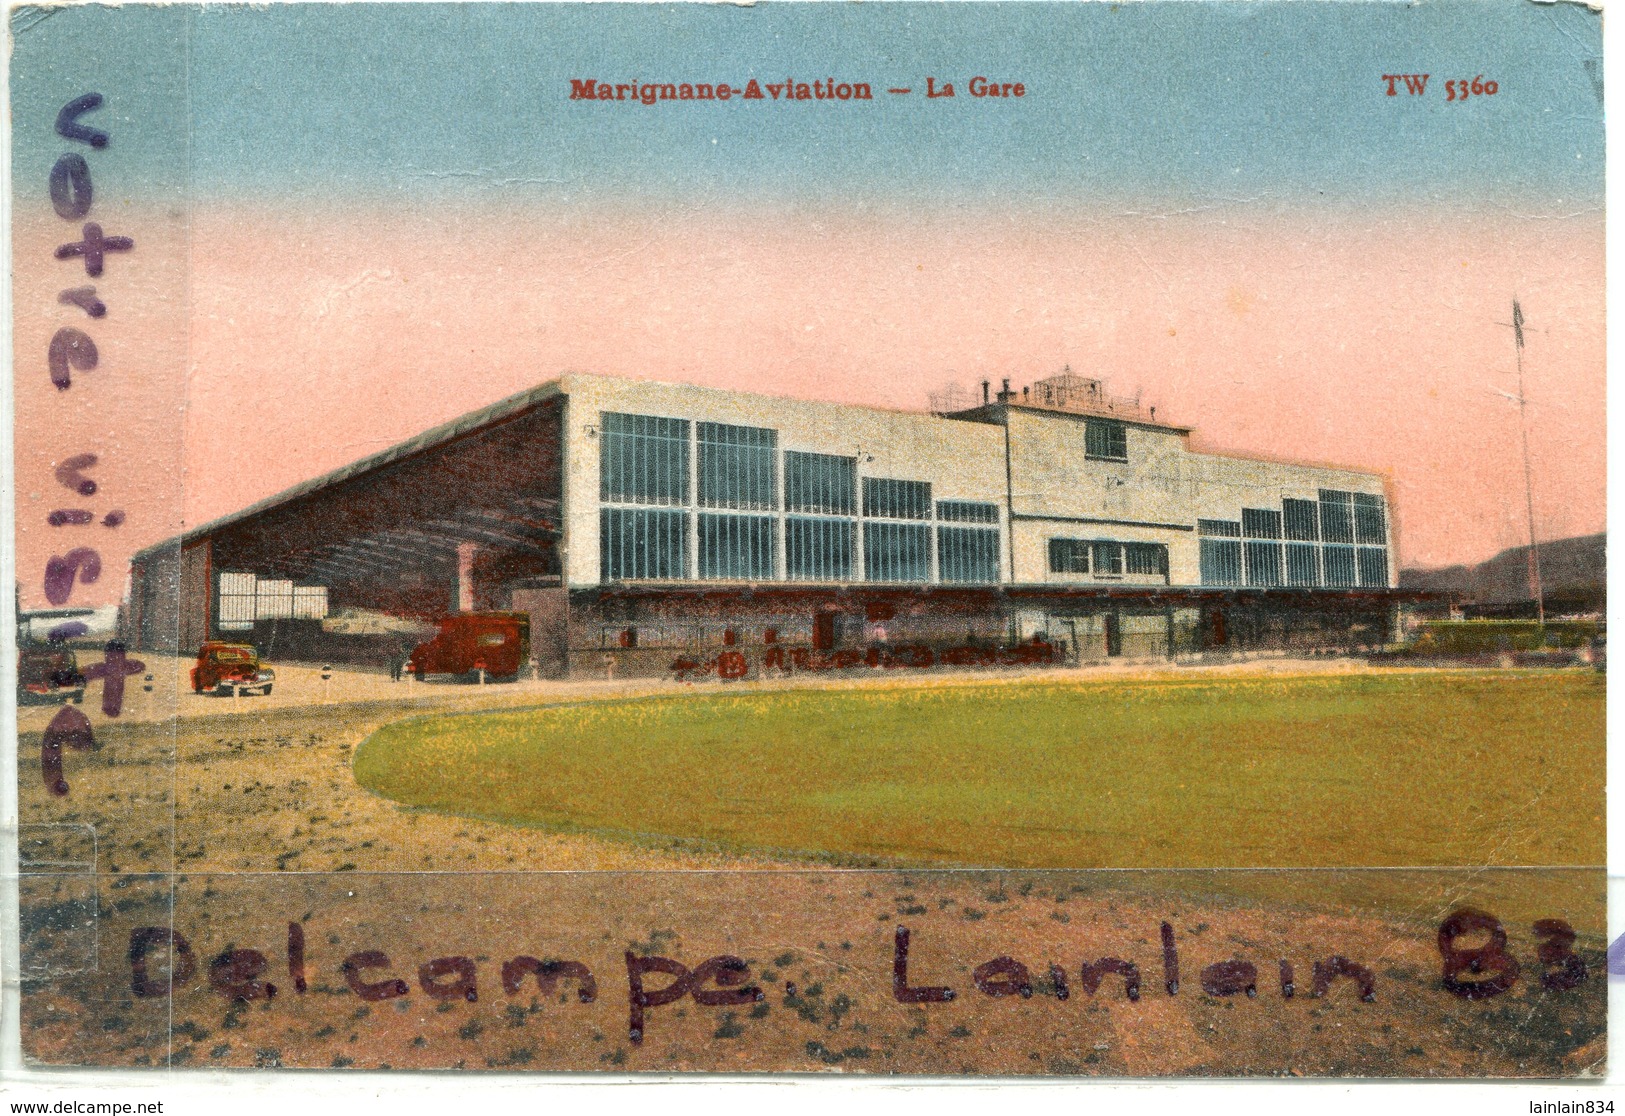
x=1360, y=340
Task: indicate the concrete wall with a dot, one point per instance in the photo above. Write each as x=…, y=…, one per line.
x=155, y=602
x=961, y=460
x=1056, y=491
x=196, y=595
x=1162, y=487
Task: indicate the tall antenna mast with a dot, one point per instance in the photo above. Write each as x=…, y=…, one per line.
x=1528, y=483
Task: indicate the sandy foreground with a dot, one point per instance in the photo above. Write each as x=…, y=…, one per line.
x=228, y=819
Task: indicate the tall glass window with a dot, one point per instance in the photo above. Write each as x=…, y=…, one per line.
x=1145, y=559
x=1263, y=563
x=638, y=544
x=967, y=555
x=736, y=547
x=1369, y=523
x=1336, y=516
x=896, y=551
x=1263, y=557
x=1107, y=558
x=1340, y=569
x=643, y=460
x=1068, y=556
x=1302, y=520
x=819, y=482
x=817, y=549
x=737, y=466
x=1221, y=562
x=1220, y=551
x=1373, y=561
x=1301, y=525
x=1105, y=440
x=884, y=498
x=1260, y=524
x=1302, y=564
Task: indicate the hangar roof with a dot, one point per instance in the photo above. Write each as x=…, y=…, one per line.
x=465, y=424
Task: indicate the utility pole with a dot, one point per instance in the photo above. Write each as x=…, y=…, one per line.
x=1528, y=482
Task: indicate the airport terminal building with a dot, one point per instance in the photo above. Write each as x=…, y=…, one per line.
x=642, y=525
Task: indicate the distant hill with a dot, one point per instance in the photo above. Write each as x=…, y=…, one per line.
x=1574, y=573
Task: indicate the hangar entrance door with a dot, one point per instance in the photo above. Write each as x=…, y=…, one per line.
x=824, y=631
x=549, y=611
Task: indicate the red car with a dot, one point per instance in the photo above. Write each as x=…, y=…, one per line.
x=226, y=668
x=495, y=642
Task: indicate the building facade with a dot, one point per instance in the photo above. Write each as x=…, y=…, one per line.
x=651, y=527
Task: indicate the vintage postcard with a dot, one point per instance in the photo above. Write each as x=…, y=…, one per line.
x=941, y=539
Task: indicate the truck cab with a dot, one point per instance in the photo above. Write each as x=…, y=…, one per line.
x=48, y=674
x=497, y=643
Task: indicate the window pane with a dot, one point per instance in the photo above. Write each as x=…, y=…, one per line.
x=1368, y=519
x=966, y=511
x=642, y=545
x=1068, y=556
x=1336, y=516
x=273, y=600
x=1103, y=438
x=737, y=467
x=896, y=551
x=1302, y=564
x=236, y=603
x=1302, y=520
x=736, y=547
x=1373, y=567
x=1263, y=563
x=819, y=482
x=1221, y=562
x=1107, y=558
x=967, y=555
x=309, y=602
x=1145, y=559
x=1260, y=524
x=1339, y=566
x=643, y=460
x=1223, y=528
x=896, y=499
x=818, y=549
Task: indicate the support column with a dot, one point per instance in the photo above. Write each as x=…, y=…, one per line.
x=463, y=598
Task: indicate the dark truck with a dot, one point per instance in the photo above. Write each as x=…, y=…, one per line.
x=496, y=642
x=48, y=674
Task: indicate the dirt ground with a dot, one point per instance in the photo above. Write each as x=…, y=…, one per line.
x=229, y=819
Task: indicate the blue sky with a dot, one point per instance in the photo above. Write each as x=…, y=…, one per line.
x=1162, y=102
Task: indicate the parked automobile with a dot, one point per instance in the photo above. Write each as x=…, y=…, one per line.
x=49, y=674
x=227, y=668
x=496, y=642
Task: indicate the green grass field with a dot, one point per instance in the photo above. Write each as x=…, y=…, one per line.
x=1457, y=768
